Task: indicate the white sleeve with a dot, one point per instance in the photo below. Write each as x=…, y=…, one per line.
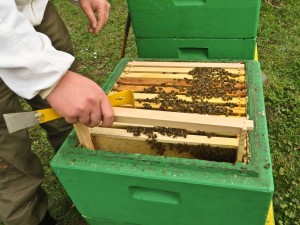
x=28, y=61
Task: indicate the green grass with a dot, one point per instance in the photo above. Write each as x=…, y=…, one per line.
x=279, y=55
x=279, y=47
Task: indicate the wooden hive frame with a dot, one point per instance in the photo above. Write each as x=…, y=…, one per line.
x=148, y=79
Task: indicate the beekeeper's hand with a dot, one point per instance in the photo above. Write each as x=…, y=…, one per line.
x=97, y=12
x=79, y=99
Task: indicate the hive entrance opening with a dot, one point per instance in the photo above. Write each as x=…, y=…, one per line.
x=186, y=88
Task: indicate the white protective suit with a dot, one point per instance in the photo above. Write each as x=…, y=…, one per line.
x=28, y=61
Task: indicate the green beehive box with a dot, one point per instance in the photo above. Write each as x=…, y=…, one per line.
x=195, y=18
x=130, y=189
x=196, y=49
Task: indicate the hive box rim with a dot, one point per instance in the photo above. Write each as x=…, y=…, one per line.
x=256, y=175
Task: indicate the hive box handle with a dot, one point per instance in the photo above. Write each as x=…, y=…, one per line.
x=154, y=195
x=193, y=53
x=189, y=2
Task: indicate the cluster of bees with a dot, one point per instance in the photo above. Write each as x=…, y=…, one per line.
x=211, y=83
x=170, y=102
x=209, y=153
x=204, y=152
x=150, y=132
x=170, y=132
x=207, y=83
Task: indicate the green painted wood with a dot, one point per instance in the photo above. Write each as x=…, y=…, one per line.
x=132, y=189
x=100, y=221
x=194, y=18
x=196, y=49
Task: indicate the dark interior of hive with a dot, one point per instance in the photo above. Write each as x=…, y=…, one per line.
x=203, y=88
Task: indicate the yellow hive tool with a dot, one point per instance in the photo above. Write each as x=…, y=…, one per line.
x=19, y=121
